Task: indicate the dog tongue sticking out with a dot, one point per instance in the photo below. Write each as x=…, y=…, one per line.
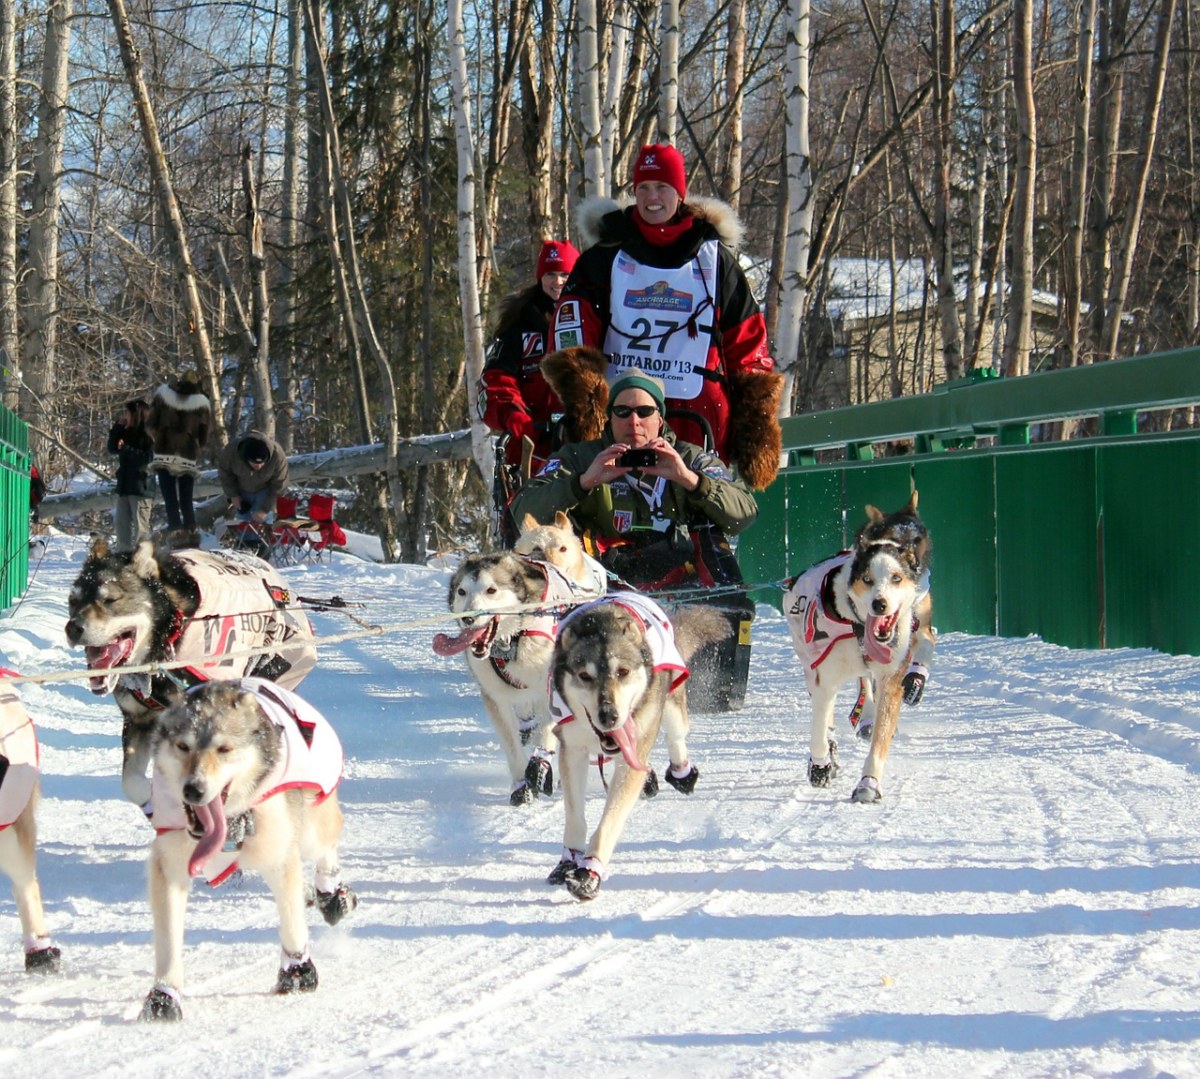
x=626, y=741
x=451, y=646
x=211, y=818
x=876, y=637
x=113, y=654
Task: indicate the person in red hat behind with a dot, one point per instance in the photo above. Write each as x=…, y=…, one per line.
x=660, y=290
x=513, y=396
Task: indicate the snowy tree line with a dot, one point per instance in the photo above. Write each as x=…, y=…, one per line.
x=318, y=206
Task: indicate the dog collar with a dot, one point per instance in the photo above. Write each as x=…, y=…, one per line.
x=500, y=659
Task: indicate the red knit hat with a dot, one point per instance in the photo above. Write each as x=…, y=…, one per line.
x=556, y=256
x=661, y=163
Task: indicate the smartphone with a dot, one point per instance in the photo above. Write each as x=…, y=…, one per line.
x=644, y=458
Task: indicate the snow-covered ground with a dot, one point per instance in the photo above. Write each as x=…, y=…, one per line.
x=1025, y=901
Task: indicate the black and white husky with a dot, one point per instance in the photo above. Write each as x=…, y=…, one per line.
x=18, y=828
x=507, y=606
x=619, y=675
x=865, y=614
x=245, y=776
x=212, y=609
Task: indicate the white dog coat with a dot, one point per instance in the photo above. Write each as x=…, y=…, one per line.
x=19, y=753
x=311, y=758
x=660, y=636
x=809, y=603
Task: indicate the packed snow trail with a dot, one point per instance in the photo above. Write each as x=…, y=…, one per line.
x=1024, y=902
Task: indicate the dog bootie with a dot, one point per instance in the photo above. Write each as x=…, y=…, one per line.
x=539, y=776
x=583, y=884
x=822, y=771
x=566, y=866
x=650, y=787
x=867, y=791
x=685, y=783
x=43, y=959
x=914, y=682
x=522, y=794
x=161, y=1006
x=297, y=975
x=335, y=905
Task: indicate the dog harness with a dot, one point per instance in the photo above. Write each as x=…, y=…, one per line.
x=240, y=608
x=18, y=752
x=310, y=758
x=559, y=591
x=660, y=636
x=810, y=603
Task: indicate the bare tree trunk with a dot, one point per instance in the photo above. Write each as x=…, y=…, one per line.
x=945, y=50
x=256, y=264
x=794, y=270
x=735, y=77
x=610, y=120
x=1077, y=209
x=472, y=313
x=196, y=330
x=668, y=70
x=539, y=89
x=10, y=342
x=39, y=347
x=595, y=177
x=1133, y=212
x=1018, y=336
x=293, y=125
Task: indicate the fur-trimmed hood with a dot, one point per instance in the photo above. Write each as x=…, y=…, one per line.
x=594, y=228
x=182, y=402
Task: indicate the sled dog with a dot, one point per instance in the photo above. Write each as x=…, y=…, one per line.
x=245, y=775
x=865, y=613
x=18, y=830
x=618, y=675
x=206, y=607
x=509, y=654
x=559, y=545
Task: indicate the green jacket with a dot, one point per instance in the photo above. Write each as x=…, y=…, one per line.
x=620, y=510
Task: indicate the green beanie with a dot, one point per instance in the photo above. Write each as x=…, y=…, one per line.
x=637, y=381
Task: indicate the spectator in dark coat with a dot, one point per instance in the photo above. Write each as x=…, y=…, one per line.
x=131, y=442
x=180, y=423
x=253, y=471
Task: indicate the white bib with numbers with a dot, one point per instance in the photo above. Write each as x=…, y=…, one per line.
x=650, y=309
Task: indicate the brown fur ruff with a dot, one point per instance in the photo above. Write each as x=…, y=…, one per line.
x=577, y=376
x=754, y=433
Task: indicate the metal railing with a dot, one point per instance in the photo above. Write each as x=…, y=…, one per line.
x=1087, y=542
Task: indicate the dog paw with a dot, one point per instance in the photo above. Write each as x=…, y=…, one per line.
x=539, y=776
x=650, y=787
x=161, y=1005
x=522, y=795
x=686, y=783
x=299, y=978
x=867, y=791
x=334, y=906
x=583, y=884
x=43, y=961
x=822, y=771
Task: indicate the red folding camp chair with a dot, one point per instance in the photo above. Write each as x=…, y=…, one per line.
x=329, y=533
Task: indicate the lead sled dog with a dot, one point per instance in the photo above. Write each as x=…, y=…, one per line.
x=865, y=614
x=619, y=675
x=245, y=776
x=208, y=608
x=18, y=827
x=508, y=645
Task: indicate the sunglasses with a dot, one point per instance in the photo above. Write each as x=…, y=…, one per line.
x=623, y=412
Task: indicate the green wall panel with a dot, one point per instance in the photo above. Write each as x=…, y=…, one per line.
x=1046, y=544
x=1151, y=537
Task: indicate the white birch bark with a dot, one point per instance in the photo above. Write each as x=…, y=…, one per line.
x=1018, y=335
x=610, y=121
x=595, y=179
x=793, y=291
x=735, y=77
x=472, y=313
x=668, y=71
x=10, y=344
x=1077, y=207
x=45, y=195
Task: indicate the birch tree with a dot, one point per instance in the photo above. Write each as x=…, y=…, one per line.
x=10, y=343
x=1018, y=337
x=595, y=172
x=668, y=71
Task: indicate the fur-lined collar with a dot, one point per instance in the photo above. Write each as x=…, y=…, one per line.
x=192, y=402
x=720, y=215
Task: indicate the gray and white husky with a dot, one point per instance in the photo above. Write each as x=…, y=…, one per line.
x=507, y=606
x=865, y=614
x=619, y=674
x=211, y=609
x=18, y=827
x=245, y=776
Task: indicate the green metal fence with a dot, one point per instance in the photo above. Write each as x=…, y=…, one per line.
x=1091, y=542
x=14, y=507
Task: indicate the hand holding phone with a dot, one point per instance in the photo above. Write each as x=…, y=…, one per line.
x=643, y=458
